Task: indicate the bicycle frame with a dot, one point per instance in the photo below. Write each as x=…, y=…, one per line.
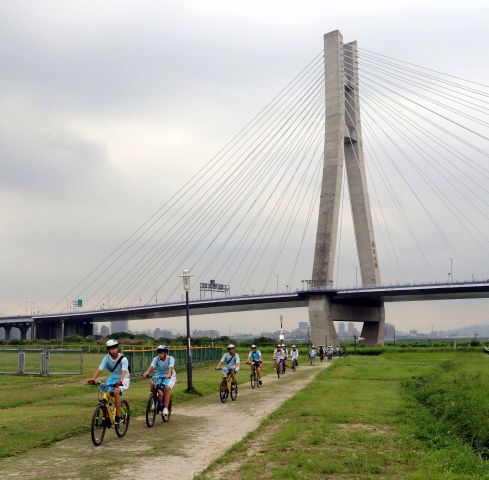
x=228, y=381
x=106, y=400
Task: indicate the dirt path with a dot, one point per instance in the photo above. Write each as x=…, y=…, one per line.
x=199, y=432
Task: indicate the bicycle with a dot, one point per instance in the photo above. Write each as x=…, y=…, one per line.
x=228, y=387
x=279, y=368
x=294, y=364
x=104, y=415
x=255, y=383
x=155, y=406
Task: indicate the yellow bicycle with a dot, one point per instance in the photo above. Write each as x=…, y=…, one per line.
x=104, y=415
x=227, y=388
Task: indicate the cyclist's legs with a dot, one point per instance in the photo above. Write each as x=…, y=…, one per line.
x=117, y=399
x=258, y=370
x=167, y=395
x=232, y=374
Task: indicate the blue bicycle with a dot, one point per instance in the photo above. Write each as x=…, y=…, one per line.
x=155, y=405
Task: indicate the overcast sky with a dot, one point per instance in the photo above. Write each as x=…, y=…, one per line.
x=107, y=107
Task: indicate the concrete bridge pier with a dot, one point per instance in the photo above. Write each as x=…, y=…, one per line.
x=323, y=312
x=58, y=330
x=24, y=328
x=323, y=331
x=343, y=147
x=7, y=329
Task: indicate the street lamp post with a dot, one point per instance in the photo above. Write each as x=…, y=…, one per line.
x=186, y=286
x=451, y=269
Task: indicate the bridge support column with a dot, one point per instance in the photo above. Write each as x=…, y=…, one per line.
x=323, y=312
x=7, y=329
x=322, y=326
x=343, y=147
x=23, y=331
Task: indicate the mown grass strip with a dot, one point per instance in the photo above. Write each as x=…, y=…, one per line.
x=355, y=421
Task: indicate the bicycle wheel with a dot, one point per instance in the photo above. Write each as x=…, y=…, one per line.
x=151, y=408
x=253, y=379
x=121, y=428
x=234, y=391
x=167, y=418
x=223, y=392
x=98, y=425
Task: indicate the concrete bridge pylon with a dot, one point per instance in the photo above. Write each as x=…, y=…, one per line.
x=343, y=148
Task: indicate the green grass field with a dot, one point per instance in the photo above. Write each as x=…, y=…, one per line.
x=416, y=415
x=56, y=407
x=360, y=419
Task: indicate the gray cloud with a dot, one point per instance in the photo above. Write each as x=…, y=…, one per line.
x=105, y=109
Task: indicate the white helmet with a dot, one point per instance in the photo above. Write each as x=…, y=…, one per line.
x=293, y=346
x=230, y=346
x=162, y=348
x=313, y=346
x=111, y=343
x=253, y=346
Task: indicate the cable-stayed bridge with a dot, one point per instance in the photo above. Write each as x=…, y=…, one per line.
x=410, y=164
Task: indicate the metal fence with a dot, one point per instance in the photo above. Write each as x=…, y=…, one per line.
x=139, y=360
x=37, y=361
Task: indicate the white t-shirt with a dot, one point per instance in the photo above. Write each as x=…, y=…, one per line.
x=294, y=354
x=278, y=354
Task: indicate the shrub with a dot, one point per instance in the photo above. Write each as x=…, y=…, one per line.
x=369, y=351
x=456, y=394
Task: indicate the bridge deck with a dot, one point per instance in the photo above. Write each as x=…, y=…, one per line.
x=359, y=296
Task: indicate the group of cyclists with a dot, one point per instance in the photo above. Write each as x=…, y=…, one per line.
x=165, y=377
x=329, y=352
x=117, y=364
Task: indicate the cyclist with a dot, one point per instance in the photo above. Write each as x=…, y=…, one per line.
x=330, y=352
x=294, y=355
x=321, y=353
x=231, y=362
x=165, y=375
x=279, y=356
x=118, y=366
x=312, y=355
x=255, y=358
x=286, y=353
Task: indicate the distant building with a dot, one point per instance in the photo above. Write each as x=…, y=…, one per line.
x=105, y=331
x=342, y=330
x=119, y=326
x=159, y=333
x=304, y=326
x=95, y=329
x=389, y=330
x=206, y=333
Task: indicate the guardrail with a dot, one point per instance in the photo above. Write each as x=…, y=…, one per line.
x=41, y=361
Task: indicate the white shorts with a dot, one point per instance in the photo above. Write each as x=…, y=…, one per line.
x=170, y=382
x=125, y=385
x=166, y=382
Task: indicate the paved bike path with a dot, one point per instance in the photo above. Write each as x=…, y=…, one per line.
x=198, y=433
